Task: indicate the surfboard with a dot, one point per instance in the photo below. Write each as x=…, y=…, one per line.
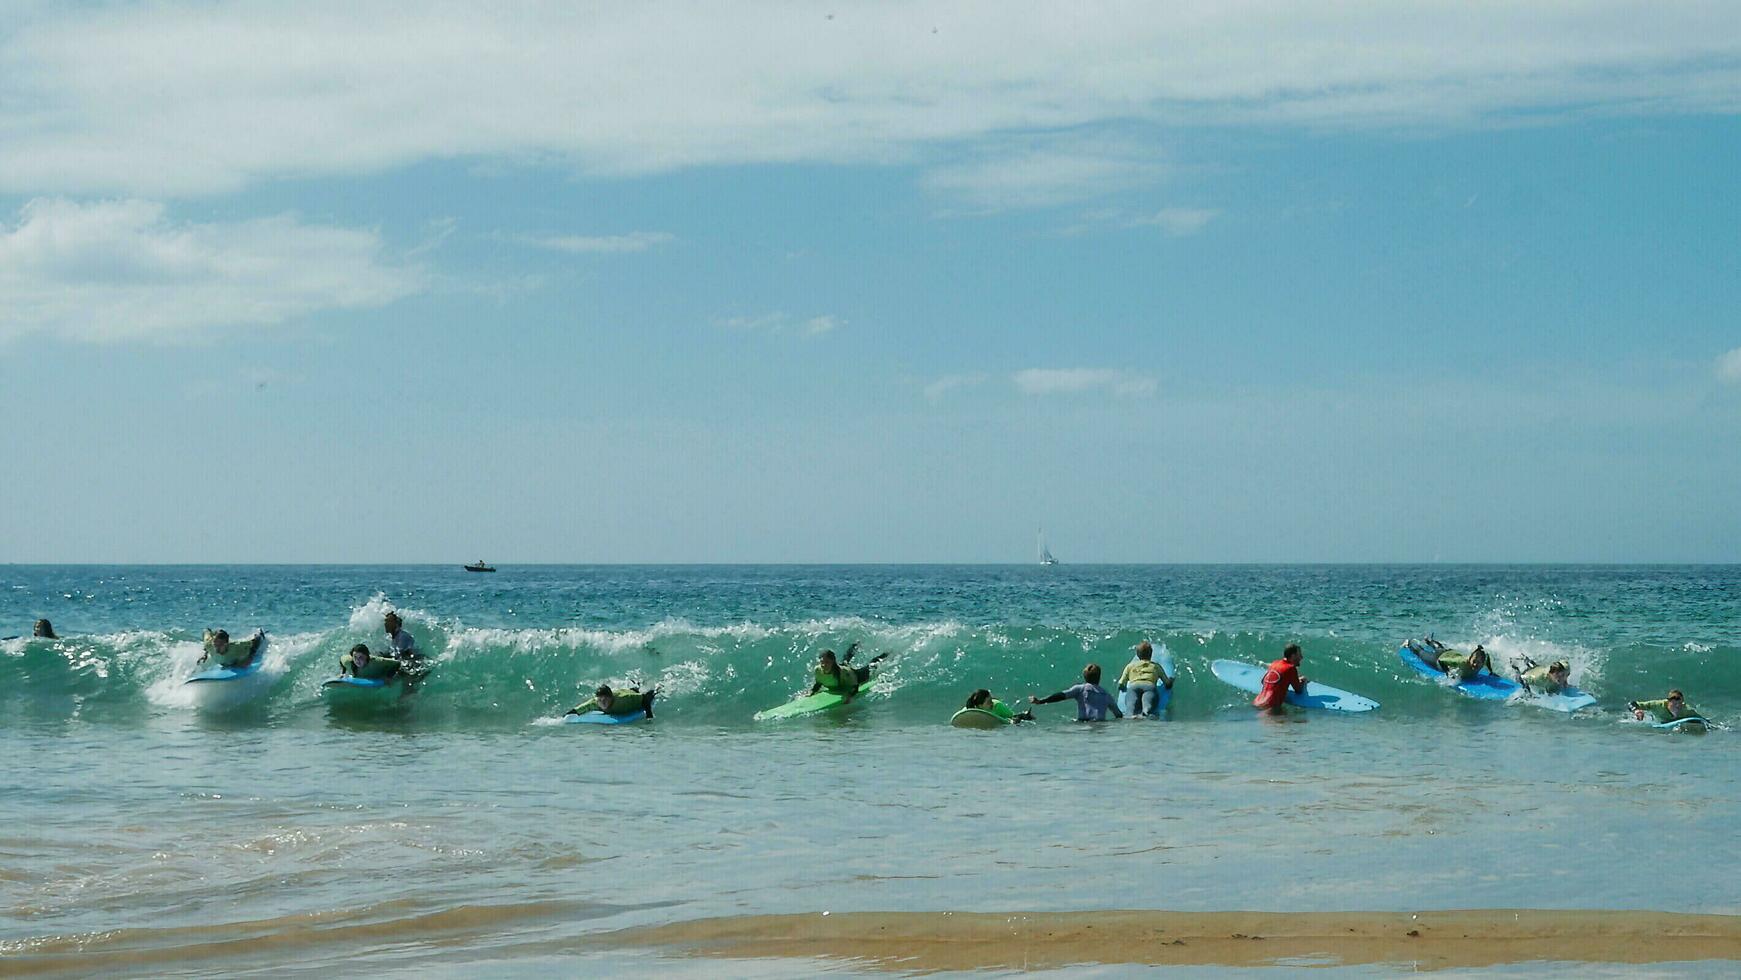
x=600, y=718
x=1163, y=695
x=1247, y=677
x=798, y=707
x=1486, y=686
x=249, y=669
x=978, y=718
x=1568, y=700
x=1691, y=723
x=366, y=683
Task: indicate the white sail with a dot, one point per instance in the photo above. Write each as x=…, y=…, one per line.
x=1045, y=552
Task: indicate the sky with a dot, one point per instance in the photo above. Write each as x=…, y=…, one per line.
x=893, y=282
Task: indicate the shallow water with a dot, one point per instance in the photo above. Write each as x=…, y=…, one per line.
x=457, y=831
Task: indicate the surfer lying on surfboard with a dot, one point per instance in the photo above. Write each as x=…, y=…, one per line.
x=1141, y=677
x=836, y=675
x=1666, y=711
x=1551, y=679
x=1456, y=663
x=981, y=700
x=609, y=702
x=363, y=665
x=227, y=654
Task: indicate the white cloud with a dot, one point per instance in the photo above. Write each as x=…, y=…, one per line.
x=1176, y=222
x=1180, y=222
x=782, y=323
x=1066, y=381
x=121, y=270
x=1729, y=366
x=635, y=241
x=950, y=382
x=1058, y=170
x=194, y=98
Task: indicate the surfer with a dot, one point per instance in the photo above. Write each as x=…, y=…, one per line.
x=1456, y=663
x=606, y=701
x=43, y=630
x=1092, y=701
x=401, y=645
x=1281, y=675
x=836, y=675
x=227, y=654
x=1143, y=676
x=363, y=665
x=983, y=701
x=1666, y=711
x=1551, y=679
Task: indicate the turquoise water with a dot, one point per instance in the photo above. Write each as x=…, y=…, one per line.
x=461, y=830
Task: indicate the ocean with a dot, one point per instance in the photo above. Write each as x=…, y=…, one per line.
x=463, y=831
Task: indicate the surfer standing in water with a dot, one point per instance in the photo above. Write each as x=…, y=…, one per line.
x=1281, y=675
x=1092, y=701
x=401, y=646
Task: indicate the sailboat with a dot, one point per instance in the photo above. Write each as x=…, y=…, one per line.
x=1045, y=552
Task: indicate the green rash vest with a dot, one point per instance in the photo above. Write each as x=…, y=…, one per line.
x=844, y=683
x=1659, y=710
x=1537, y=680
x=625, y=703
x=377, y=669
x=234, y=655
x=1001, y=710
x=1456, y=663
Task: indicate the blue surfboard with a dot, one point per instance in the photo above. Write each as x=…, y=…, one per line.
x=600, y=718
x=249, y=669
x=1163, y=695
x=1691, y=723
x=359, y=682
x=1486, y=686
x=1323, y=697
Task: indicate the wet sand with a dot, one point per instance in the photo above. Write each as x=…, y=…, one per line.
x=923, y=942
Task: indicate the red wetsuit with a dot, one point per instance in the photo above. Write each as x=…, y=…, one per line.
x=1276, y=681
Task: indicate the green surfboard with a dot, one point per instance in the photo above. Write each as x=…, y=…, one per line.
x=798, y=707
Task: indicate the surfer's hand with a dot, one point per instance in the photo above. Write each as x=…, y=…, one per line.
x=1637, y=714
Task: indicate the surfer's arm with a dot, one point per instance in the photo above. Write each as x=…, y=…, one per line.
x=581, y=709
x=1049, y=699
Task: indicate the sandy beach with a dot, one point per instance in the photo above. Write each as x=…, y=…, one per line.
x=937, y=941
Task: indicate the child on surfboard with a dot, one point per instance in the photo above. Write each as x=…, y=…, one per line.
x=1092, y=701
x=1666, y=711
x=836, y=675
x=1143, y=677
x=981, y=700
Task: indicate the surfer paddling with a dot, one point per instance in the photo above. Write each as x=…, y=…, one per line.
x=1666, y=711
x=836, y=675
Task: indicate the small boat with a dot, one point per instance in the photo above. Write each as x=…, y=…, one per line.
x=1045, y=552
x=479, y=566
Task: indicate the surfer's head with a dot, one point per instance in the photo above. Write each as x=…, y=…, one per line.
x=1091, y=673
x=979, y=699
x=1291, y=653
x=43, y=629
x=1144, y=651
x=220, y=639
x=360, y=654
x=1478, y=657
x=1559, y=668
x=829, y=662
x=1676, y=697
x=392, y=621
x=605, y=696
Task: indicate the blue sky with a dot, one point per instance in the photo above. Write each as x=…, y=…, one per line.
x=768, y=282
